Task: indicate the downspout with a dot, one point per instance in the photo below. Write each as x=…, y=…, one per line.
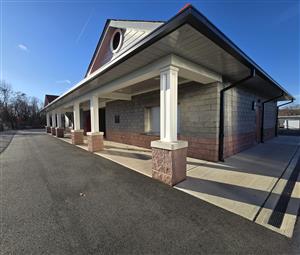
x=263, y=115
x=221, y=128
x=276, y=128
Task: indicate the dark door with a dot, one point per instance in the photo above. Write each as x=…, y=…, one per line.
x=102, y=120
x=258, y=124
x=87, y=121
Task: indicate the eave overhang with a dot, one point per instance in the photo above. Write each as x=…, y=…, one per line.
x=199, y=22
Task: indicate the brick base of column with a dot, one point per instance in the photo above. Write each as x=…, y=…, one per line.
x=77, y=136
x=169, y=161
x=53, y=130
x=95, y=141
x=60, y=132
x=48, y=129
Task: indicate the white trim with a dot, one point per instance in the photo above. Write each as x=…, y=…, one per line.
x=59, y=122
x=48, y=119
x=77, y=131
x=101, y=69
x=67, y=121
x=98, y=50
x=168, y=103
x=169, y=145
x=187, y=69
x=53, y=116
x=94, y=110
x=158, y=31
x=95, y=133
x=117, y=96
x=120, y=42
x=76, y=115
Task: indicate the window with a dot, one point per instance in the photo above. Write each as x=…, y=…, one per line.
x=152, y=119
x=117, y=118
x=116, y=41
x=155, y=119
x=253, y=105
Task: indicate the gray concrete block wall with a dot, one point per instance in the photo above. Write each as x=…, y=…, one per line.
x=239, y=116
x=131, y=115
x=199, y=106
x=270, y=115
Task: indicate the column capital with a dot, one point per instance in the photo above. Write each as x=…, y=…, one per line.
x=169, y=68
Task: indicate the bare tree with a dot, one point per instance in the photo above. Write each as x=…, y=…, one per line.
x=17, y=110
x=5, y=111
x=5, y=93
x=290, y=110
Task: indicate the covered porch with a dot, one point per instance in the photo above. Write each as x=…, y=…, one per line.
x=88, y=115
x=187, y=49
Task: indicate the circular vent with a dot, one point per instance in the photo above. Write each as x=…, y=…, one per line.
x=116, y=41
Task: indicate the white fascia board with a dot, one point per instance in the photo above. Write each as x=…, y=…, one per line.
x=191, y=70
x=98, y=50
x=104, y=67
x=138, y=25
x=195, y=69
x=69, y=105
x=144, y=73
x=117, y=96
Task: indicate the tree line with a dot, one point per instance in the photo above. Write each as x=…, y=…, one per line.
x=18, y=110
x=290, y=110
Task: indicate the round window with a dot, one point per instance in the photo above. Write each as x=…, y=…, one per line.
x=116, y=41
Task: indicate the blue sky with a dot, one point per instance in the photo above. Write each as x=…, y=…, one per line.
x=47, y=45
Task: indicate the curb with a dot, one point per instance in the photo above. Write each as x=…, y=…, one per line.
x=291, y=214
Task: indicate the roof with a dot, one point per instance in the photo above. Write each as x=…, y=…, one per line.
x=134, y=31
x=198, y=22
x=49, y=99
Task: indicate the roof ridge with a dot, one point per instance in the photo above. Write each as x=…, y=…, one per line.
x=139, y=20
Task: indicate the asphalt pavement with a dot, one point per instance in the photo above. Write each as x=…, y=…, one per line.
x=59, y=199
x=5, y=139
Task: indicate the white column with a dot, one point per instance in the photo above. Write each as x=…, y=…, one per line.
x=168, y=104
x=53, y=119
x=48, y=119
x=76, y=113
x=94, y=108
x=67, y=121
x=59, y=124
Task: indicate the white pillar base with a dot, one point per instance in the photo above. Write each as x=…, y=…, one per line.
x=77, y=136
x=95, y=141
x=169, y=161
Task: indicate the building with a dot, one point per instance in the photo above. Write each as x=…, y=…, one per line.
x=180, y=87
x=289, y=122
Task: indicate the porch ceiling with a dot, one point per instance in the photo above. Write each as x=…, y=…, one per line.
x=146, y=86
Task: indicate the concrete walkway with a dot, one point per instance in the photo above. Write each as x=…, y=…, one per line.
x=242, y=184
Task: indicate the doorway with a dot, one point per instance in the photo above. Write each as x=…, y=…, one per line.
x=258, y=124
x=102, y=126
